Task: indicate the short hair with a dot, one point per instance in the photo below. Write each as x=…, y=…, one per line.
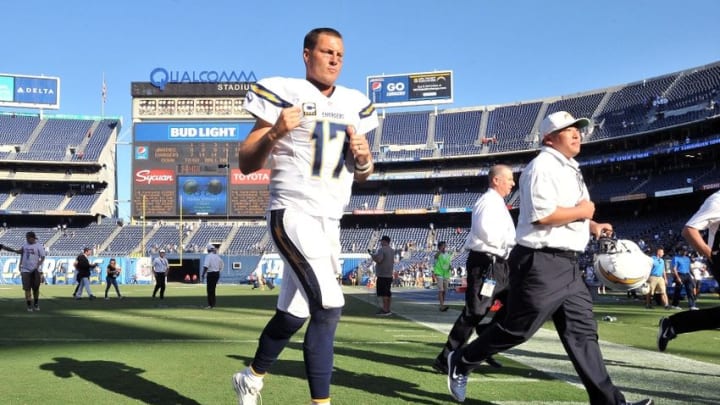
x=441, y=243
x=495, y=171
x=311, y=38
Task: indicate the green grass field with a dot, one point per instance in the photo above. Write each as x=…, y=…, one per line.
x=137, y=351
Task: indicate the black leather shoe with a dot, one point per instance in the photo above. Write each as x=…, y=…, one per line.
x=493, y=363
x=646, y=401
x=440, y=365
x=665, y=333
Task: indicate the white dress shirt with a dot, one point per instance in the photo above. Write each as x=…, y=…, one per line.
x=492, y=230
x=550, y=181
x=213, y=263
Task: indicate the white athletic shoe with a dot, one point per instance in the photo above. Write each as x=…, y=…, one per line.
x=247, y=387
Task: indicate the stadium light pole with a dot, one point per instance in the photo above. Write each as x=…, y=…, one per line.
x=116, y=144
x=144, y=248
x=228, y=201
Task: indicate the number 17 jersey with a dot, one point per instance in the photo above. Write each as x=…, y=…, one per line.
x=311, y=168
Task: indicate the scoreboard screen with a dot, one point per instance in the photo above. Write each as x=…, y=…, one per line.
x=229, y=89
x=191, y=169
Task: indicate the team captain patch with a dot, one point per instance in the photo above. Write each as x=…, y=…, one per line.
x=309, y=109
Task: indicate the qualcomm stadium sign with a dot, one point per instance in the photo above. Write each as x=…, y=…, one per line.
x=160, y=77
x=29, y=91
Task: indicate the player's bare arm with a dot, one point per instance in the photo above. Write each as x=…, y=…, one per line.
x=360, y=149
x=256, y=148
x=9, y=249
x=696, y=240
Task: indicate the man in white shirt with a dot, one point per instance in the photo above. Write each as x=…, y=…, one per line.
x=554, y=226
x=491, y=237
x=212, y=266
x=160, y=268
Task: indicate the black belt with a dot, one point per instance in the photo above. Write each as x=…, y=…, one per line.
x=493, y=257
x=568, y=254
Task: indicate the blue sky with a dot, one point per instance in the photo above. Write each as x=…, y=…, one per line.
x=500, y=51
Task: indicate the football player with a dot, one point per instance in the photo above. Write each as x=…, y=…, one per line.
x=311, y=132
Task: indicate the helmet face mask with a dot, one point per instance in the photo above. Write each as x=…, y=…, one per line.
x=607, y=245
x=621, y=264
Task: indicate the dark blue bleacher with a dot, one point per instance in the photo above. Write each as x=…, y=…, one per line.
x=402, y=237
x=460, y=150
x=627, y=108
x=15, y=237
x=363, y=201
x=355, y=240
x=206, y=233
x=673, y=179
x=409, y=128
x=82, y=203
x=614, y=186
x=695, y=87
x=405, y=155
x=459, y=198
x=165, y=237
x=455, y=237
x=125, y=242
x=247, y=240
x=53, y=140
x=29, y=201
x=511, y=127
x=3, y=197
x=73, y=239
x=16, y=129
x=98, y=141
x=580, y=106
x=459, y=132
x=371, y=139
x=408, y=200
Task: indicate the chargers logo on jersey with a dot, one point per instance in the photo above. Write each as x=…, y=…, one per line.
x=268, y=95
x=367, y=111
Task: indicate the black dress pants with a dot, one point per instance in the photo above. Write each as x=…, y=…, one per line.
x=546, y=284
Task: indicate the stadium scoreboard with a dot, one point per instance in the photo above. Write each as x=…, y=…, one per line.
x=185, y=152
x=189, y=101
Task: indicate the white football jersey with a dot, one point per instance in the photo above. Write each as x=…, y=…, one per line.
x=312, y=166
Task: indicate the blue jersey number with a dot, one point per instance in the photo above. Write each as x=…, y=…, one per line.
x=324, y=136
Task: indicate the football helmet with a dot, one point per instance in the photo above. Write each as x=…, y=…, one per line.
x=621, y=265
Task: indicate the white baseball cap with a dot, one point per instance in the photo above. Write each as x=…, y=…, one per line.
x=561, y=120
x=210, y=247
x=162, y=251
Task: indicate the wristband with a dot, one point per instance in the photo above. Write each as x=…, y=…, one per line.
x=362, y=169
